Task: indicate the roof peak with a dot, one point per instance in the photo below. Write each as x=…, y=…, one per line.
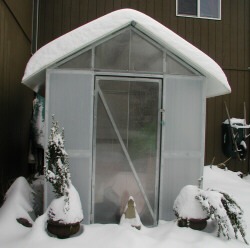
x=104, y=26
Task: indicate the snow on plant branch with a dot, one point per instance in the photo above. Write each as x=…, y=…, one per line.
x=67, y=207
x=57, y=165
x=225, y=211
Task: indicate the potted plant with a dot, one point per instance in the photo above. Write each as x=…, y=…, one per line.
x=65, y=211
x=194, y=206
x=188, y=210
x=224, y=210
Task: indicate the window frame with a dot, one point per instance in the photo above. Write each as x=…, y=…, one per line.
x=199, y=12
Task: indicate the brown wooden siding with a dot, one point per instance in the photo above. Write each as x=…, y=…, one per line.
x=23, y=13
x=15, y=99
x=226, y=41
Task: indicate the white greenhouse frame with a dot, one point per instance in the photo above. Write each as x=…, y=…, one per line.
x=186, y=79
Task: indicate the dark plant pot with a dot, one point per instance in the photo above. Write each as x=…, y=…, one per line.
x=196, y=224
x=62, y=231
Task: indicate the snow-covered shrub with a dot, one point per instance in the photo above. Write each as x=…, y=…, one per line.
x=67, y=207
x=225, y=211
x=193, y=203
x=73, y=214
x=57, y=170
x=186, y=206
x=188, y=210
x=130, y=215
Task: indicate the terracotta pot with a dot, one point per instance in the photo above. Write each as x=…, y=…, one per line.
x=196, y=224
x=62, y=230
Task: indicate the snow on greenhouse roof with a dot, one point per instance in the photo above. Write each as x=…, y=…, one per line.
x=91, y=32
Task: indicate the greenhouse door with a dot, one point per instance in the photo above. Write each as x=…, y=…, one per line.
x=126, y=147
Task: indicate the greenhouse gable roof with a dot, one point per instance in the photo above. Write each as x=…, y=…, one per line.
x=80, y=38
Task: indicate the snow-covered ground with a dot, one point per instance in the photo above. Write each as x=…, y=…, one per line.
x=166, y=234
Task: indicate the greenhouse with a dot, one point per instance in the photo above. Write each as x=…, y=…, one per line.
x=131, y=96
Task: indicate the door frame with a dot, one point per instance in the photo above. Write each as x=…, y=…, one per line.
x=130, y=77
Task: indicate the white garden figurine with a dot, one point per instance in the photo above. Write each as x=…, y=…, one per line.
x=130, y=215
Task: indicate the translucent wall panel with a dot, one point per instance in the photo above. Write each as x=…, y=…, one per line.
x=114, y=53
x=116, y=96
x=144, y=55
x=184, y=112
x=69, y=98
x=129, y=51
x=82, y=61
x=183, y=137
x=176, y=68
x=176, y=172
x=126, y=148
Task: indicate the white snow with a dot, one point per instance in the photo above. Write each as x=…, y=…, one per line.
x=166, y=234
x=243, y=143
x=187, y=206
x=89, y=33
x=18, y=201
x=237, y=123
x=73, y=214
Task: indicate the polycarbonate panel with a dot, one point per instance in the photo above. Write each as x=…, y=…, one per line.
x=183, y=118
x=114, y=53
x=127, y=122
x=176, y=172
x=183, y=138
x=69, y=96
x=82, y=61
x=116, y=95
x=144, y=55
x=128, y=51
x=80, y=170
x=176, y=68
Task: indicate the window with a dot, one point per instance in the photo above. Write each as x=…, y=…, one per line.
x=210, y=9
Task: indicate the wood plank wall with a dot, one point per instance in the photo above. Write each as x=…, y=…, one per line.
x=15, y=99
x=226, y=41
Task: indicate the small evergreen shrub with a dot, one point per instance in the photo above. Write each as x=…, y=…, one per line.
x=225, y=211
x=57, y=169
